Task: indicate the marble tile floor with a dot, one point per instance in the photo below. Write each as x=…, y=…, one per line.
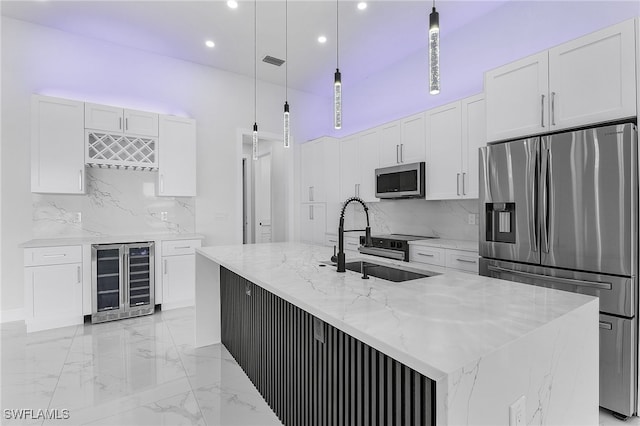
x=140, y=371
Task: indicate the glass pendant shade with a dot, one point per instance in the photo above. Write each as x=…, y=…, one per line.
x=287, y=126
x=337, y=100
x=434, y=52
x=255, y=141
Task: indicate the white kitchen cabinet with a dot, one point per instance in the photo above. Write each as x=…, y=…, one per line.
x=53, y=287
x=584, y=81
x=358, y=161
x=177, y=157
x=516, y=98
x=178, y=273
x=57, y=145
x=592, y=79
x=320, y=170
x=462, y=260
x=313, y=223
x=428, y=255
x=444, y=147
x=117, y=120
x=474, y=136
x=403, y=141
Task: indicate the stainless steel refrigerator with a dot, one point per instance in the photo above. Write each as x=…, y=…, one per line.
x=122, y=277
x=561, y=211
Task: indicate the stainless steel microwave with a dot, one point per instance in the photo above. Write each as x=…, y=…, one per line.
x=401, y=181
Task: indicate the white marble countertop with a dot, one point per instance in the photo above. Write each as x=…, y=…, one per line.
x=108, y=239
x=448, y=244
x=436, y=325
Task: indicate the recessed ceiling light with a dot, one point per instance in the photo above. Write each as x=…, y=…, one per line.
x=322, y=39
x=209, y=43
x=362, y=5
x=233, y=4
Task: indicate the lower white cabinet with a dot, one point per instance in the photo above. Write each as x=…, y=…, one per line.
x=461, y=260
x=313, y=223
x=52, y=287
x=179, y=273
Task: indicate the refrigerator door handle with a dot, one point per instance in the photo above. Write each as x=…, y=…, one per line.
x=533, y=235
x=544, y=220
x=559, y=280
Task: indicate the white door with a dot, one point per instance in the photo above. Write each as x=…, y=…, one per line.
x=262, y=185
x=103, y=117
x=390, y=140
x=444, y=142
x=369, y=158
x=177, y=157
x=516, y=98
x=349, y=167
x=412, y=147
x=474, y=136
x=140, y=122
x=178, y=281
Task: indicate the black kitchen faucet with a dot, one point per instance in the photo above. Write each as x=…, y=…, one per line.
x=340, y=258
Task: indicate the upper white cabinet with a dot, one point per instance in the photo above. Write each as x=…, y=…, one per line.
x=584, y=81
x=403, y=141
x=516, y=98
x=474, y=136
x=444, y=145
x=320, y=170
x=118, y=120
x=591, y=79
x=177, y=159
x=358, y=161
x=57, y=145
x=455, y=132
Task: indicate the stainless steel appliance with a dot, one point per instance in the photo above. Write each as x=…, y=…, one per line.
x=561, y=211
x=402, y=181
x=392, y=246
x=122, y=278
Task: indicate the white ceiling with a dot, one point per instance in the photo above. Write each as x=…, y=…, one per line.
x=369, y=40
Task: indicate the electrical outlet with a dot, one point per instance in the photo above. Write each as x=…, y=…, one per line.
x=517, y=412
x=164, y=216
x=472, y=219
x=77, y=217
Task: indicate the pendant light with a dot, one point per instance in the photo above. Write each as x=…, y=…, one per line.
x=434, y=51
x=255, y=82
x=287, y=123
x=337, y=84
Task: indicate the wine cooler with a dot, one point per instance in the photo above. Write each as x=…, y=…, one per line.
x=122, y=278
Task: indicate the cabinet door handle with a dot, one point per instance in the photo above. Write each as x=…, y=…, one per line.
x=463, y=190
x=55, y=255
x=458, y=183
x=161, y=184
x=397, y=154
x=401, y=153
x=466, y=261
x=542, y=111
x=553, y=108
x=358, y=190
x=425, y=254
x=120, y=123
x=79, y=275
x=312, y=197
x=605, y=325
x=164, y=267
x=182, y=247
x=80, y=180
x=126, y=124
x=310, y=212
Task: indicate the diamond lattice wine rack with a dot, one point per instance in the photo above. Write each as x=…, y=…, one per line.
x=121, y=151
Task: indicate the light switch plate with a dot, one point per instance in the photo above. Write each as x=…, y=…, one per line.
x=517, y=412
x=472, y=219
x=163, y=216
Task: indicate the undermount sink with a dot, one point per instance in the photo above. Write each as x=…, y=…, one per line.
x=386, y=272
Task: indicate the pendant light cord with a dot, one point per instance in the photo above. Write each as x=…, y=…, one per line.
x=255, y=62
x=286, y=51
x=338, y=35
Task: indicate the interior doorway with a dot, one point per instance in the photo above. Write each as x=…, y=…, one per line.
x=262, y=185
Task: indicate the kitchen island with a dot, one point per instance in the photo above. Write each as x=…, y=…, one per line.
x=484, y=343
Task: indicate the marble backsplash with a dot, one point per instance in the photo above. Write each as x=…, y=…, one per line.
x=445, y=219
x=117, y=202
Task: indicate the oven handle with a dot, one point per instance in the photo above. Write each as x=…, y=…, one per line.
x=569, y=281
x=391, y=254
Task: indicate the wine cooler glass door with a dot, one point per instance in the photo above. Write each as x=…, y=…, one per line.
x=108, y=277
x=139, y=276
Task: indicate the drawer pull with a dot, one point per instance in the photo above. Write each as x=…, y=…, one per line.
x=606, y=325
x=466, y=261
x=79, y=275
x=426, y=254
x=182, y=247
x=55, y=255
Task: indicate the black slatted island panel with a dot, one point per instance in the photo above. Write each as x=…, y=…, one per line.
x=311, y=373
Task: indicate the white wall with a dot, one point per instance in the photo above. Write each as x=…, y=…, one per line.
x=37, y=59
